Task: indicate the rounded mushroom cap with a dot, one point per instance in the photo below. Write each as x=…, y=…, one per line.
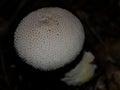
x=49, y=38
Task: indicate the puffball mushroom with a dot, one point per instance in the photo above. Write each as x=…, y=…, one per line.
x=49, y=38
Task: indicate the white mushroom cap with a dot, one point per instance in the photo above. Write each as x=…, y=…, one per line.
x=49, y=38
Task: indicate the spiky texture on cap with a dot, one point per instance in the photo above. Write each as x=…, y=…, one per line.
x=49, y=38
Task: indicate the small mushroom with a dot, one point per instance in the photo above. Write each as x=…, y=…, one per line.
x=83, y=72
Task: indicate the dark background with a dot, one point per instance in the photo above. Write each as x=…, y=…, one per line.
x=101, y=21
